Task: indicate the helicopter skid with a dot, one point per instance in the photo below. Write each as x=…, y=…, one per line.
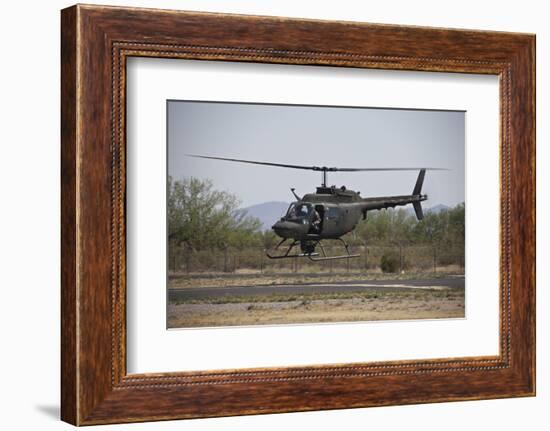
x=320, y=259
x=288, y=250
x=313, y=256
x=284, y=256
x=325, y=257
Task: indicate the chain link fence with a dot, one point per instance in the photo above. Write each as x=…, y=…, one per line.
x=373, y=259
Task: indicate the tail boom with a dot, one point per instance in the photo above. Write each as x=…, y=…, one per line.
x=392, y=201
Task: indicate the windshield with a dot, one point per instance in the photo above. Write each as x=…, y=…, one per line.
x=298, y=210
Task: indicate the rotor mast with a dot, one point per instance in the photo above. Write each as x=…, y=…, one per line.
x=324, y=171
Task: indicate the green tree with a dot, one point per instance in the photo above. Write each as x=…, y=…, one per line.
x=387, y=227
x=269, y=239
x=201, y=218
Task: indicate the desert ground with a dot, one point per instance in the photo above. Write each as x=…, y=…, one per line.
x=244, y=300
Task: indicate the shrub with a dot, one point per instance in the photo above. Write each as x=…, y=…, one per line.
x=390, y=262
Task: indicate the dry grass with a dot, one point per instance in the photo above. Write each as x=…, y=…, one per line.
x=254, y=279
x=314, y=309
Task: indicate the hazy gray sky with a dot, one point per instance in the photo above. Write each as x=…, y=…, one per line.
x=321, y=136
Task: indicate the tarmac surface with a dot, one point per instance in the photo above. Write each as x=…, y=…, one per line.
x=361, y=286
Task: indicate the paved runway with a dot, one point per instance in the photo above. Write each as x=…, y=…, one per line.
x=363, y=286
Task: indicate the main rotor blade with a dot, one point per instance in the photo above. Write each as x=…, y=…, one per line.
x=280, y=165
x=387, y=169
x=313, y=168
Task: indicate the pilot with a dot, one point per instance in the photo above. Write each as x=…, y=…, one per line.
x=292, y=212
x=303, y=210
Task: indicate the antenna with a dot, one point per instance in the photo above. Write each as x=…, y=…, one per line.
x=297, y=197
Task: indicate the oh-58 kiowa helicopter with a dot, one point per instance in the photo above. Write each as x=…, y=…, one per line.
x=330, y=212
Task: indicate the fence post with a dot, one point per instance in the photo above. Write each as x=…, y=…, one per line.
x=225, y=264
x=400, y=259
x=435, y=260
x=261, y=263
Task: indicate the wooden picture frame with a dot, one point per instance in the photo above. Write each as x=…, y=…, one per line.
x=95, y=43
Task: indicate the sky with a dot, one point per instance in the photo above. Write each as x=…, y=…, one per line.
x=321, y=136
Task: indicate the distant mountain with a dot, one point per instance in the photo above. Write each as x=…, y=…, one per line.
x=437, y=208
x=268, y=212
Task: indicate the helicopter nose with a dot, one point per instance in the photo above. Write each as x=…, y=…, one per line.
x=286, y=229
x=282, y=228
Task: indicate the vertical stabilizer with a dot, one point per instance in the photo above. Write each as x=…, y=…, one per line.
x=419, y=181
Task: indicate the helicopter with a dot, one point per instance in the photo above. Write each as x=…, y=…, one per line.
x=330, y=212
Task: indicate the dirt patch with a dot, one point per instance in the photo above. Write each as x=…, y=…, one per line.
x=416, y=305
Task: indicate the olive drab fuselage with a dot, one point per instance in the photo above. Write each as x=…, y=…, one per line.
x=332, y=212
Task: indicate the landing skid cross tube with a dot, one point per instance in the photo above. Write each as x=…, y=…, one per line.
x=348, y=255
x=313, y=256
x=288, y=250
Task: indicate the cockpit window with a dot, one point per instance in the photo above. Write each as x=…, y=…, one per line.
x=299, y=210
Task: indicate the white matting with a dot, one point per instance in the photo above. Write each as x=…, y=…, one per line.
x=153, y=348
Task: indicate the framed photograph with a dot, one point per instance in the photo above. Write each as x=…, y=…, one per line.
x=241, y=254
x=263, y=214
